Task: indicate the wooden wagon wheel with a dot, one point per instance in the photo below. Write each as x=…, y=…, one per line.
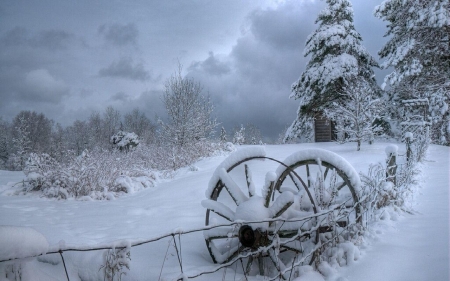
x=332, y=184
x=231, y=197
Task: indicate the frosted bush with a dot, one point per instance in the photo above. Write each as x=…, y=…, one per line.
x=115, y=262
x=99, y=175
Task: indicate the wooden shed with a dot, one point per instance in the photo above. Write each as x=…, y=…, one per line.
x=324, y=129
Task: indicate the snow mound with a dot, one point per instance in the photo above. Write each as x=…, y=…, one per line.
x=21, y=242
x=307, y=273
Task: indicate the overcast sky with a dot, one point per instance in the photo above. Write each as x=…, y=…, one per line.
x=67, y=59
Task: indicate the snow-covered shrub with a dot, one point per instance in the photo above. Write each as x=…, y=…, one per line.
x=124, y=140
x=380, y=193
x=98, y=175
x=168, y=157
x=12, y=271
x=115, y=262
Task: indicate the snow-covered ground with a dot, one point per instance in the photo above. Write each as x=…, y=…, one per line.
x=407, y=247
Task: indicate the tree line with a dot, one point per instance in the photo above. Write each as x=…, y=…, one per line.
x=189, y=130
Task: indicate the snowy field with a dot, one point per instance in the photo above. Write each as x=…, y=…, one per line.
x=405, y=246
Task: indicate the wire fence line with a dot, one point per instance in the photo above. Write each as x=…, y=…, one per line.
x=122, y=244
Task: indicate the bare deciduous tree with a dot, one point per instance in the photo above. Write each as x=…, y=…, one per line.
x=189, y=112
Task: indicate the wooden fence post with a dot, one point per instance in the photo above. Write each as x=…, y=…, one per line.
x=391, y=163
x=408, y=140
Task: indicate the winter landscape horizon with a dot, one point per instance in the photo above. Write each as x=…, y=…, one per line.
x=240, y=140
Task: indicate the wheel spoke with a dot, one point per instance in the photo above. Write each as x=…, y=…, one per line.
x=281, y=204
x=250, y=185
x=248, y=267
x=219, y=208
x=234, y=254
x=325, y=173
x=233, y=189
x=308, y=175
x=279, y=265
x=219, y=233
x=341, y=186
x=261, y=264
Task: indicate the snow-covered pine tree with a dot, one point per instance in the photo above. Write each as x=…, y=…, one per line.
x=356, y=116
x=419, y=52
x=337, y=56
x=4, y=139
x=223, y=135
x=21, y=141
x=239, y=135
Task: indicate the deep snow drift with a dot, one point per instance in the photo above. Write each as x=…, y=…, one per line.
x=402, y=246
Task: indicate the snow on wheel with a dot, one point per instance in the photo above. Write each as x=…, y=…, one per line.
x=306, y=183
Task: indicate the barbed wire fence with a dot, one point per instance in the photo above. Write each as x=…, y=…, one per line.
x=372, y=197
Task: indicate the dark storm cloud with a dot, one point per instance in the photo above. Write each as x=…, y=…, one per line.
x=124, y=68
x=48, y=39
x=15, y=37
x=118, y=34
x=52, y=39
x=263, y=64
x=283, y=27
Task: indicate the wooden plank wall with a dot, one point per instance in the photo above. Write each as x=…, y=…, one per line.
x=322, y=129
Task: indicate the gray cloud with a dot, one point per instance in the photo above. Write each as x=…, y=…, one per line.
x=41, y=86
x=47, y=39
x=211, y=65
x=283, y=27
x=124, y=68
x=118, y=34
x=263, y=64
x=120, y=96
x=16, y=36
x=52, y=39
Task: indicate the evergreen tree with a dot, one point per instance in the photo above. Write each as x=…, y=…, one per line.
x=337, y=57
x=239, y=135
x=21, y=141
x=419, y=52
x=223, y=135
x=4, y=142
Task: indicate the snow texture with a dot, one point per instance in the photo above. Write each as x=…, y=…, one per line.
x=21, y=242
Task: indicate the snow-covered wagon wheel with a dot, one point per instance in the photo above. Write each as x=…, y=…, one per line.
x=322, y=181
x=271, y=247
x=232, y=198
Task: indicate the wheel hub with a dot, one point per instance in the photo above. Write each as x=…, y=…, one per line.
x=252, y=238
